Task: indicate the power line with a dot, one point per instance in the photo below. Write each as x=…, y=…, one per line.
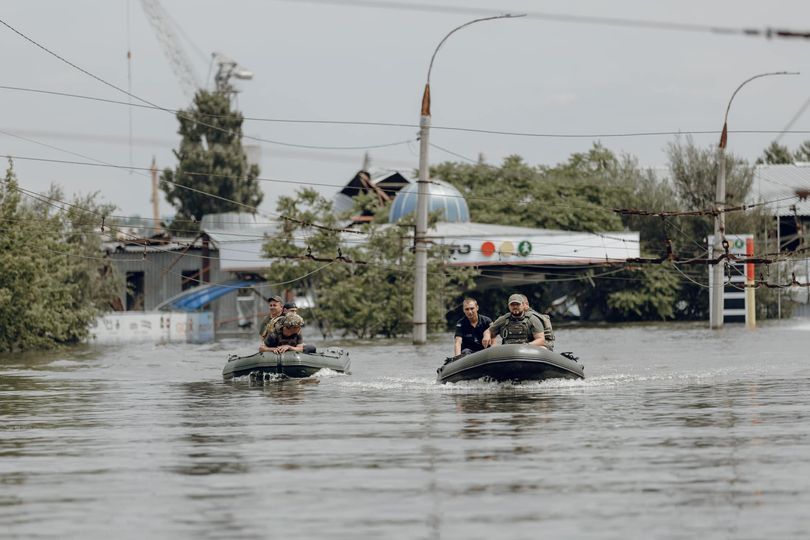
x=547, y=135
x=766, y=32
x=179, y=113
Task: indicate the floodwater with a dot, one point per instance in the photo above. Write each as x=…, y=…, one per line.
x=677, y=432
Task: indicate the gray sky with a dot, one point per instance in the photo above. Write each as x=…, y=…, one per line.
x=317, y=61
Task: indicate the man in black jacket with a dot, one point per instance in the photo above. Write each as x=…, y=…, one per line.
x=470, y=329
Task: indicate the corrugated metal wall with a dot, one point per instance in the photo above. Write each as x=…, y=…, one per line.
x=163, y=279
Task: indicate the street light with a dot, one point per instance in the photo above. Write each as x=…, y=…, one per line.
x=420, y=247
x=718, y=278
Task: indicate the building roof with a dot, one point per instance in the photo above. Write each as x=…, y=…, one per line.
x=773, y=182
x=239, y=238
x=380, y=182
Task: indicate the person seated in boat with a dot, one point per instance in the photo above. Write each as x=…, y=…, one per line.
x=470, y=329
x=545, y=320
x=287, y=338
x=516, y=327
x=270, y=322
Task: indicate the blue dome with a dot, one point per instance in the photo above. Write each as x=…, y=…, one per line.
x=442, y=196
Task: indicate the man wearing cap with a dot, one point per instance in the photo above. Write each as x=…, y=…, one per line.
x=470, y=329
x=290, y=307
x=517, y=327
x=271, y=320
x=287, y=337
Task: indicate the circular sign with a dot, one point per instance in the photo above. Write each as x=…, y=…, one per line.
x=524, y=247
x=738, y=243
x=487, y=249
x=507, y=248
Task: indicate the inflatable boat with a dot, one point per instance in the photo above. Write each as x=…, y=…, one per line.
x=511, y=363
x=289, y=364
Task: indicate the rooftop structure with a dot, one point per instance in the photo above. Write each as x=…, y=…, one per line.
x=442, y=197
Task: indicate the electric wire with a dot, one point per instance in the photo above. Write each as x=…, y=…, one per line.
x=591, y=135
x=766, y=32
x=178, y=113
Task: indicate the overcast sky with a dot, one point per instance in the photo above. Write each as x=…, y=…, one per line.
x=354, y=62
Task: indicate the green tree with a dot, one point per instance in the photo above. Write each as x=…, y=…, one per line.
x=54, y=281
x=579, y=194
x=370, y=291
x=802, y=153
x=572, y=196
x=211, y=161
x=775, y=154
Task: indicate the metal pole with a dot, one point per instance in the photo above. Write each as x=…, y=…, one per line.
x=718, y=279
x=750, y=297
x=422, y=194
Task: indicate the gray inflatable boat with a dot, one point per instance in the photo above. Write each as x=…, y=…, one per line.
x=511, y=363
x=289, y=364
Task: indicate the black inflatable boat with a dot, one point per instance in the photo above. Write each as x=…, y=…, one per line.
x=511, y=363
x=288, y=364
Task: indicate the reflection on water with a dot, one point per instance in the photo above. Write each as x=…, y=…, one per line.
x=100, y=439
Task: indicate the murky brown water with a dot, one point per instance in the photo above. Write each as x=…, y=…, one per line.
x=677, y=432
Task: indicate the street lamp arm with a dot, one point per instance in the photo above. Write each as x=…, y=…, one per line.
x=724, y=134
x=426, y=95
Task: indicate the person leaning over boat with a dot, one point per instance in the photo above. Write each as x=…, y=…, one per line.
x=470, y=329
x=269, y=323
x=287, y=338
x=545, y=320
x=517, y=327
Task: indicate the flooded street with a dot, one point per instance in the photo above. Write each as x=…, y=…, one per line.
x=676, y=432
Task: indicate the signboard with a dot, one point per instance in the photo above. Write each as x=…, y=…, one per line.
x=153, y=327
x=566, y=248
x=738, y=301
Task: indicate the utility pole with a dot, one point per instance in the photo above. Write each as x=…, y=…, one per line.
x=422, y=194
x=154, y=199
x=718, y=274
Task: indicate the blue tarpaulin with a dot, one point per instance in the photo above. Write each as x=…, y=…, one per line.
x=198, y=297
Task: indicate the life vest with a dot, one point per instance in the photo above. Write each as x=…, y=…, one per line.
x=271, y=326
x=548, y=331
x=517, y=331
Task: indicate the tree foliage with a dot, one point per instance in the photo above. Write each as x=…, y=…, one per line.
x=777, y=154
x=53, y=281
x=572, y=196
x=363, y=300
x=211, y=161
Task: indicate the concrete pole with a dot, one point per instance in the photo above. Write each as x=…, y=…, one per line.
x=154, y=199
x=718, y=270
x=718, y=279
x=422, y=194
x=420, y=246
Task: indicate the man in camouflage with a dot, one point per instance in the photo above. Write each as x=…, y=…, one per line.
x=545, y=320
x=287, y=336
x=269, y=323
x=516, y=327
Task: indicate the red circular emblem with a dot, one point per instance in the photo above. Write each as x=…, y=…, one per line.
x=487, y=248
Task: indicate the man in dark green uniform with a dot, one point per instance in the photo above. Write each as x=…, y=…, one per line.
x=268, y=324
x=517, y=327
x=287, y=337
x=545, y=320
